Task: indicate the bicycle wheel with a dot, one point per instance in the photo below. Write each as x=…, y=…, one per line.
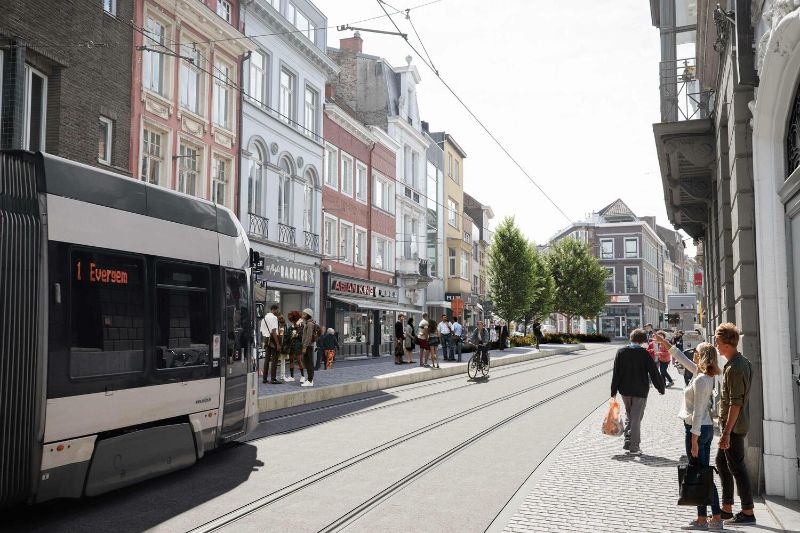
x=472, y=367
x=485, y=368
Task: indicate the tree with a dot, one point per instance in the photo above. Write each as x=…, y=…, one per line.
x=510, y=270
x=540, y=299
x=579, y=280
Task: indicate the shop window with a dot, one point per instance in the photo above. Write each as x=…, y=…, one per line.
x=183, y=329
x=106, y=314
x=237, y=316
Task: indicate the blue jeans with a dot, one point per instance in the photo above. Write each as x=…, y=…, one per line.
x=703, y=459
x=445, y=345
x=455, y=347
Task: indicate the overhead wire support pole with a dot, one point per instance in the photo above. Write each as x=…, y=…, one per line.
x=348, y=27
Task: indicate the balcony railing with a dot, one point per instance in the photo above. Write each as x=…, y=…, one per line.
x=286, y=234
x=423, y=268
x=311, y=241
x=259, y=226
x=682, y=96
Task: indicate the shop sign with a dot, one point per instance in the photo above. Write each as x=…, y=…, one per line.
x=288, y=272
x=698, y=279
x=450, y=296
x=620, y=299
x=367, y=290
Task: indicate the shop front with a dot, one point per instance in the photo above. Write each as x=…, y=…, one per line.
x=618, y=320
x=288, y=284
x=362, y=313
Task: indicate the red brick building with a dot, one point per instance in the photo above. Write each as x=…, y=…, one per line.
x=185, y=101
x=359, y=292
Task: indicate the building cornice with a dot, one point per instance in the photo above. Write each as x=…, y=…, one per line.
x=407, y=128
x=202, y=18
x=346, y=121
x=384, y=138
x=275, y=21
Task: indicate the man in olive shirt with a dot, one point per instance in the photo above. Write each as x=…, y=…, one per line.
x=734, y=421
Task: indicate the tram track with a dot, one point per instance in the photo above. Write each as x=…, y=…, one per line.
x=308, y=481
x=350, y=517
x=516, y=372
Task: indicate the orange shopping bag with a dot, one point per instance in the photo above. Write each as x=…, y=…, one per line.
x=612, y=423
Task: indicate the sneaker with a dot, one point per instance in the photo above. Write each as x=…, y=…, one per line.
x=715, y=525
x=635, y=452
x=740, y=519
x=307, y=384
x=695, y=525
x=627, y=445
x=724, y=514
x=302, y=379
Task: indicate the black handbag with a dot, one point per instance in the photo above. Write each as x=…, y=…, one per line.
x=696, y=484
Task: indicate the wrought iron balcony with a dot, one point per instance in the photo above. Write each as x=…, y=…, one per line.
x=259, y=226
x=286, y=234
x=423, y=268
x=682, y=96
x=311, y=241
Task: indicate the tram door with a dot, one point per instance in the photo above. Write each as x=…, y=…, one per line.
x=237, y=346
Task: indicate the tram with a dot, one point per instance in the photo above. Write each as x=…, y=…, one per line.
x=126, y=330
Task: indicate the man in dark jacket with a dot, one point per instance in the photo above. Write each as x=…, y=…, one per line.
x=328, y=345
x=632, y=366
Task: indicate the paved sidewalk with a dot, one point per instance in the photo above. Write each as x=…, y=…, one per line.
x=356, y=376
x=590, y=485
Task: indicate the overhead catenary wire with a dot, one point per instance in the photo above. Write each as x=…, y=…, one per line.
x=491, y=135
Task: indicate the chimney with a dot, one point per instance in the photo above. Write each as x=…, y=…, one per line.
x=354, y=43
x=425, y=126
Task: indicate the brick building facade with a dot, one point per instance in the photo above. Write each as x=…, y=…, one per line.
x=360, y=296
x=66, y=79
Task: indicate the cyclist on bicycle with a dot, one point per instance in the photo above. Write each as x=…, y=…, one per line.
x=480, y=338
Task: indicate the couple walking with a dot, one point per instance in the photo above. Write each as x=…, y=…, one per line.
x=632, y=367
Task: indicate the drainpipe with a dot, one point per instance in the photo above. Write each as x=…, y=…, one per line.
x=377, y=337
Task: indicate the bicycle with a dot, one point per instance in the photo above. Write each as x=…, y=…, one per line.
x=476, y=363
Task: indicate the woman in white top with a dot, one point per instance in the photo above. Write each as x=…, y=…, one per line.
x=696, y=415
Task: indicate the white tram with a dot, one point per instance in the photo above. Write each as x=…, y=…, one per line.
x=126, y=330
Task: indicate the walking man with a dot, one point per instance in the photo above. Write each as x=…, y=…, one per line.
x=422, y=340
x=632, y=366
x=328, y=346
x=269, y=332
x=399, y=337
x=734, y=422
x=457, y=340
x=310, y=336
x=445, y=334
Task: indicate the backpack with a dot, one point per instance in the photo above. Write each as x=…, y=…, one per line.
x=317, y=333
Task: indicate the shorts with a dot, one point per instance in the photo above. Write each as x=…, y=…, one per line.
x=423, y=344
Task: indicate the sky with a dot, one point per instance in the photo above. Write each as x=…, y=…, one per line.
x=569, y=88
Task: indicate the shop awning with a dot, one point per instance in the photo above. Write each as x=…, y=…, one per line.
x=444, y=304
x=363, y=303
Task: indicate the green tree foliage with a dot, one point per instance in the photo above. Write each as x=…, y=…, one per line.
x=510, y=271
x=540, y=298
x=579, y=280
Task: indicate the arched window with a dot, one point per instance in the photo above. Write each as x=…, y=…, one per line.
x=308, y=203
x=793, y=136
x=285, y=193
x=255, y=182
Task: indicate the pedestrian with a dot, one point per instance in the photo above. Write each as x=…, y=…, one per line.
x=424, y=347
x=399, y=337
x=697, y=419
x=664, y=358
x=311, y=334
x=734, y=423
x=283, y=334
x=409, y=340
x=445, y=331
x=677, y=340
x=457, y=340
x=272, y=345
x=328, y=346
x=632, y=366
x=537, y=333
x=648, y=328
x=433, y=341
x=295, y=328
x=502, y=334
x=480, y=339
x=492, y=334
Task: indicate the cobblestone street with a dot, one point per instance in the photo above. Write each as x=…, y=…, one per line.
x=592, y=485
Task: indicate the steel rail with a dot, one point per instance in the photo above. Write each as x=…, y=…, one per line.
x=293, y=488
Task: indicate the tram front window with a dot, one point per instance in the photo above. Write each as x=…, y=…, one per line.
x=183, y=330
x=106, y=314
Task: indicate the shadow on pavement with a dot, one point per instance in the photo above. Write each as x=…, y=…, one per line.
x=647, y=460
x=145, y=505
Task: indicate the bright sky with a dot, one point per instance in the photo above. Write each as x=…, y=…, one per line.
x=570, y=88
